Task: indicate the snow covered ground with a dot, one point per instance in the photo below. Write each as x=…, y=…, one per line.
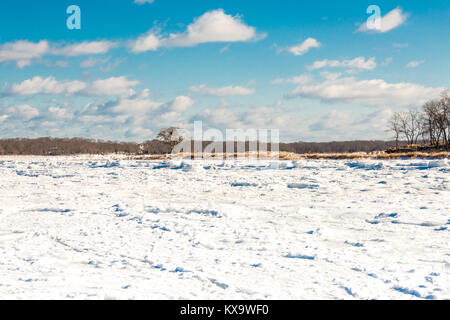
x=73, y=228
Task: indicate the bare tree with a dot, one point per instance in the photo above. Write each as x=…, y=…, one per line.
x=394, y=125
x=406, y=129
x=437, y=119
x=407, y=125
x=430, y=110
x=171, y=136
x=443, y=117
x=415, y=126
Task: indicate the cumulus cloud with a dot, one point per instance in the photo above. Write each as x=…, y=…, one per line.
x=103, y=87
x=24, y=112
x=304, y=47
x=49, y=85
x=375, y=92
x=138, y=111
x=359, y=63
x=141, y=106
x=222, y=92
x=137, y=106
x=150, y=41
x=390, y=21
x=111, y=86
x=212, y=26
x=23, y=51
x=133, y=117
x=181, y=103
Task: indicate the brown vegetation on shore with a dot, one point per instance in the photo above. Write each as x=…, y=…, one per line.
x=307, y=156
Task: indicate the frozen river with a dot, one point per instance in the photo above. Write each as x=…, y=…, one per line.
x=74, y=228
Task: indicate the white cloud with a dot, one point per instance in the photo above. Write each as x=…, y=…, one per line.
x=49, y=85
x=140, y=133
x=142, y=106
x=137, y=111
x=24, y=112
x=181, y=103
x=22, y=52
x=170, y=116
x=111, y=86
x=348, y=125
x=94, y=119
x=224, y=118
x=146, y=42
x=3, y=118
x=253, y=118
x=103, y=87
x=84, y=48
x=390, y=21
x=323, y=126
x=414, y=64
x=212, y=26
x=375, y=92
x=224, y=91
x=359, y=63
x=304, y=47
x=330, y=75
x=60, y=113
x=137, y=106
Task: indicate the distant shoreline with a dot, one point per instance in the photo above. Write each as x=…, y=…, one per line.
x=158, y=150
x=73, y=146
x=283, y=156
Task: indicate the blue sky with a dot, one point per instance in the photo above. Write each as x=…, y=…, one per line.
x=313, y=70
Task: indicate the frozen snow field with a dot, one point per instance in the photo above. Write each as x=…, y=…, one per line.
x=91, y=228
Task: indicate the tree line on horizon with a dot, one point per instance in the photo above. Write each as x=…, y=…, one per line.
x=63, y=146
x=72, y=146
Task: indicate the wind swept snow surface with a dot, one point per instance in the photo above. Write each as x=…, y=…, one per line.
x=104, y=229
